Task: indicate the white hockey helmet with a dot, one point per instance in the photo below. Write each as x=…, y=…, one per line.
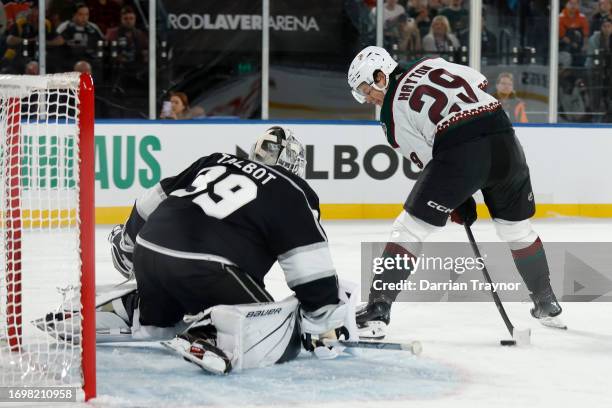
x=368, y=61
x=278, y=146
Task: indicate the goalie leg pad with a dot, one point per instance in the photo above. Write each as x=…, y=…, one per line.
x=254, y=335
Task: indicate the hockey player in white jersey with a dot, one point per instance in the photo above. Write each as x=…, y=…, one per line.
x=438, y=116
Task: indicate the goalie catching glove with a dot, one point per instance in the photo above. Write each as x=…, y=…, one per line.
x=326, y=323
x=122, y=250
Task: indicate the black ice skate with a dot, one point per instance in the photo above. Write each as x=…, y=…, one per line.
x=372, y=319
x=546, y=309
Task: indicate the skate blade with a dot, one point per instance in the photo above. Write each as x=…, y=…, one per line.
x=210, y=362
x=552, y=322
x=373, y=331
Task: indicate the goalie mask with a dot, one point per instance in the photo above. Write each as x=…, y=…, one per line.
x=277, y=146
x=363, y=67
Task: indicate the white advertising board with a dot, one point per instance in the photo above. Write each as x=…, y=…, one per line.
x=348, y=163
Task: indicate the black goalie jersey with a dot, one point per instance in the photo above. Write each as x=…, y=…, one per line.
x=246, y=212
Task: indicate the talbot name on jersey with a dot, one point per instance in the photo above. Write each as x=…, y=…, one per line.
x=410, y=82
x=261, y=313
x=257, y=172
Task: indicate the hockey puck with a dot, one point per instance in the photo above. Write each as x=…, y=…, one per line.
x=508, y=342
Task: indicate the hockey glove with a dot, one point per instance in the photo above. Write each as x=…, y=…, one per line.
x=317, y=343
x=465, y=213
x=122, y=252
x=326, y=323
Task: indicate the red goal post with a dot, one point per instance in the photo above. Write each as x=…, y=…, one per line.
x=48, y=232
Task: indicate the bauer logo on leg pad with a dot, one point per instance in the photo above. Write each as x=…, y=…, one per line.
x=261, y=313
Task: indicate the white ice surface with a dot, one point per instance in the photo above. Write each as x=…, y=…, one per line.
x=462, y=364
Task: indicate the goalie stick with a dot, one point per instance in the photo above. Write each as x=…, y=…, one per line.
x=414, y=347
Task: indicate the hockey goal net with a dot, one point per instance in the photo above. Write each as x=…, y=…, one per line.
x=47, y=232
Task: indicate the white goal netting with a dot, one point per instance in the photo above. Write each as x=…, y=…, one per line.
x=40, y=263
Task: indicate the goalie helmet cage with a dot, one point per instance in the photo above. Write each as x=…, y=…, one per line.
x=48, y=233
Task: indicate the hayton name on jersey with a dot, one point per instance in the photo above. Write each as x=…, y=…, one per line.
x=410, y=83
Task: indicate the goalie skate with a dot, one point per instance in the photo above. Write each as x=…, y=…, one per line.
x=201, y=353
x=61, y=326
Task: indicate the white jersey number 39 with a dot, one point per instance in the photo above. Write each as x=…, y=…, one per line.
x=224, y=196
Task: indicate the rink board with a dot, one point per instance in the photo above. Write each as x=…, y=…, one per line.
x=351, y=167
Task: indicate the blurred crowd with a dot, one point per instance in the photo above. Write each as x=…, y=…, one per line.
x=417, y=28
x=585, y=60
x=106, y=38
x=109, y=38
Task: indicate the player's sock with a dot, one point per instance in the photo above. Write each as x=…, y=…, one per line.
x=533, y=267
x=376, y=314
x=394, y=274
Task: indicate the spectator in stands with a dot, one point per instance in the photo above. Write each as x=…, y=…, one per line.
x=603, y=13
x=513, y=106
x=422, y=13
x=600, y=50
x=458, y=17
x=106, y=13
x=12, y=9
x=83, y=67
x=436, y=5
x=25, y=28
x=132, y=43
x=600, y=41
x=392, y=10
x=80, y=34
x=440, y=40
x=32, y=68
x=409, y=36
x=404, y=36
x=488, y=42
x=573, y=31
x=178, y=108
x=59, y=11
x=574, y=98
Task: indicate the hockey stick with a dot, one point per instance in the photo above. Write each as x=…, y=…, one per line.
x=414, y=347
x=520, y=334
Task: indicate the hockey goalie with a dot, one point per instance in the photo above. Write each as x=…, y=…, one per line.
x=198, y=246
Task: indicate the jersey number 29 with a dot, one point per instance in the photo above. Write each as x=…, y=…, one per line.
x=219, y=196
x=439, y=77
